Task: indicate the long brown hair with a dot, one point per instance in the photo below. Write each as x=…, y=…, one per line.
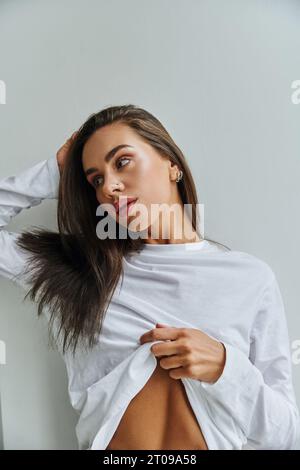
x=74, y=273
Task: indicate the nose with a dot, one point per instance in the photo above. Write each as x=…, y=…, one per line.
x=111, y=188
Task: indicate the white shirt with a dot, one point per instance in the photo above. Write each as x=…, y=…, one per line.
x=230, y=295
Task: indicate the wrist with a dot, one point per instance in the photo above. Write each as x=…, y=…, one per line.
x=221, y=362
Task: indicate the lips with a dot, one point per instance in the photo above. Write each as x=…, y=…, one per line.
x=125, y=205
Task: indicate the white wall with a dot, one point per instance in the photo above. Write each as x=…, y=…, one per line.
x=218, y=75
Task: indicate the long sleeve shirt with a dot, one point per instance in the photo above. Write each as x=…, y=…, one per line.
x=230, y=295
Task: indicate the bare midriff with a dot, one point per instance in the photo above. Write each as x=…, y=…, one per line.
x=159, y=417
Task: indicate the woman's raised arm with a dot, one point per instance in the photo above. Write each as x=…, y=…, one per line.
x=22, y=191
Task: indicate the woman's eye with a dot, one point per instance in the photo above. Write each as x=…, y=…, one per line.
x=95, y=179
x=119, y=160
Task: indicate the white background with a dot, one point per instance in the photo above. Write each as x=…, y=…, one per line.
x=218, y=75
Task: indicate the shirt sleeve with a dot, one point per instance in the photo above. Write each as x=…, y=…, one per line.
x=25, y=190
x=257, y=391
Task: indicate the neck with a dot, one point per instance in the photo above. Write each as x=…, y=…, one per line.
x=178, y=230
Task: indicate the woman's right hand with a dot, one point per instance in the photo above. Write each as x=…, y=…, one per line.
x=63, y=151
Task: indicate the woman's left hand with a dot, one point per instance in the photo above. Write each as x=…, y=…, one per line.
x=188, y=352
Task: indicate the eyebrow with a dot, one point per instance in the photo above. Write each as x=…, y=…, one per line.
x=108, y=157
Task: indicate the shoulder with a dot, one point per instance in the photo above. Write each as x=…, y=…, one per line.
x=242, y=263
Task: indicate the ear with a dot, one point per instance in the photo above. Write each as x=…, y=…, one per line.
x=173, y=170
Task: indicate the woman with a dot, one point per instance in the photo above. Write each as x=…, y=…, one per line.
x=170, y=341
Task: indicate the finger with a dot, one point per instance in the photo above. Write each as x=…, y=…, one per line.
x=170, y=333
x=70, y=139
x=173, y=362
x=168, y=348
x=161, y=325
x=179, y=373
